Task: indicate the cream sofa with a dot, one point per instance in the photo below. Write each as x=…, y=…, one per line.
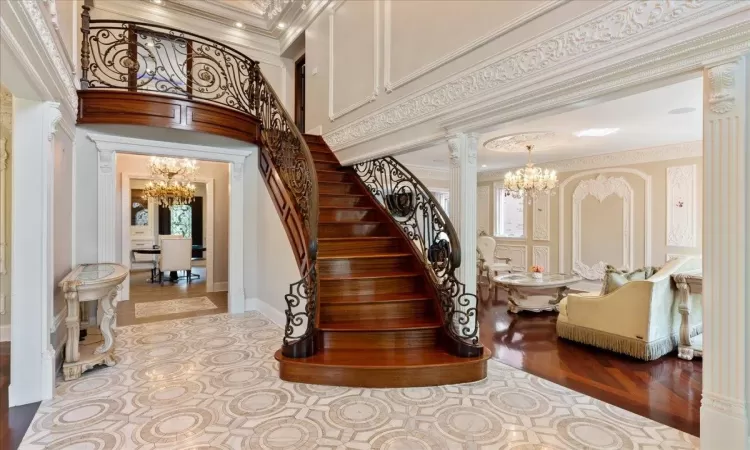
x=640, y=319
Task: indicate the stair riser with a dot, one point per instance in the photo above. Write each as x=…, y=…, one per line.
x=399, y=377
x=369, y=286
x=323, y=155
x=321, y=165
x=326, y=200
x=358, y=247
x=335, y=177
x=332, y=313
x=347, y=215
x=338, y=188
x=357, y=266
x=329, y=230
x=356, y=340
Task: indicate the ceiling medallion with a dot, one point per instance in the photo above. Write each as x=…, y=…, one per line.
x=516, y=142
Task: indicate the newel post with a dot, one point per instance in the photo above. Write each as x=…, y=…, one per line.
x=85, y=48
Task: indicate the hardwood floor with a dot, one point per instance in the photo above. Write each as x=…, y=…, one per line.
x=667, y=390
x=141, y=291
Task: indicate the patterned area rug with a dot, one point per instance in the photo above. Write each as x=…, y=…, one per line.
x=176, y=306
x=211, y=383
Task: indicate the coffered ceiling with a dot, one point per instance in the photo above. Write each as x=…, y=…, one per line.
x=266, y=17
x=666, y=115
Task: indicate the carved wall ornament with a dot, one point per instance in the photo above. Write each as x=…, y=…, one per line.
x=722, y=84
x=600, y=188
x=681, y=206
x=472, y=140
x=614, y=27
x=454, y=149
x=541, y=217
x=517, y=142
x=540, y=256
x=238, y=170
x=106, y=160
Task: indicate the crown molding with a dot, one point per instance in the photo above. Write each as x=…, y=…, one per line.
x=108, y=143
x=301, y=22
x=691, y=149
x=603, y=34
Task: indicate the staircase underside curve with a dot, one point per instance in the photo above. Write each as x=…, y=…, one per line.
x=378, y=319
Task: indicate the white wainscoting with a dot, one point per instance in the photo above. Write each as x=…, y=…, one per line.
x=540, y=220
x=681, y=206
x=602, y=187
x=540, y=256
x=517, y=254
x=332, y=114
x=483, y=209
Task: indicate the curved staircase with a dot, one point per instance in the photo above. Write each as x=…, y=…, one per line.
x=379, y=322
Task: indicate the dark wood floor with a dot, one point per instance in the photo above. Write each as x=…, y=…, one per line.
x=667, y=390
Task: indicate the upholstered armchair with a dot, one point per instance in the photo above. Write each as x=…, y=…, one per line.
x=491, y=264
x=640, y=318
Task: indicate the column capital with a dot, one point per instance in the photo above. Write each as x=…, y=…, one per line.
x=238, y=170
x=722, y=86
x=53, y=117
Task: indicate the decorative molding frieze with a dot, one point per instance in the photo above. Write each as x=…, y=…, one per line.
x=333, y=115
x=691, y=149
x=541, y=218
x=64, y=71
x=721, y=83
x=724, y=404
x=600, y=188
x=682, y=208
x=483, y=209
x=516, y=253
x=602, y=31
x=521, y=20
x=540, y=256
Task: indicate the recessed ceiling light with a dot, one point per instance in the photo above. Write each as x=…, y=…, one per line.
x=239, y=25
x=156, y=2
x=681, y=110
x=281, y=25
x=596, y=132
x=484, y=165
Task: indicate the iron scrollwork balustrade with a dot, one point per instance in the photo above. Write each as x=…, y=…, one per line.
x=426, y=225
x=140, y=57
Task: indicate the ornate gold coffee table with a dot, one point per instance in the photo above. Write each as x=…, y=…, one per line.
x=523, y=290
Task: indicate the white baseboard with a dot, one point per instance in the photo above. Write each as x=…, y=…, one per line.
x=5, y=333
x=255, y=304
x=221, y=286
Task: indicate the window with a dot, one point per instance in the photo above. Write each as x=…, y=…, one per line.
x=443, y=199
x=509, y=215
x=181, y=220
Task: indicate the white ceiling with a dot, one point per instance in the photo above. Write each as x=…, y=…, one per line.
x=259, y=16
x=643, y=120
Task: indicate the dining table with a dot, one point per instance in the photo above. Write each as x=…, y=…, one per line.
x=156, y=250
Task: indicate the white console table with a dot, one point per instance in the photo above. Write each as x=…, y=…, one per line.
x=89, y=282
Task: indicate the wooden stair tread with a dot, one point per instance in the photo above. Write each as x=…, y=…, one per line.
x=366, y=256
x=353, y=238
x=334, y=194
x=375, y=325
x=347, y=222
x=383, y=359
x=376, y=298
x=371, y=275
x=347, y=207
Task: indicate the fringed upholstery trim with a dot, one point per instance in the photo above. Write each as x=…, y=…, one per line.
x=636, y=348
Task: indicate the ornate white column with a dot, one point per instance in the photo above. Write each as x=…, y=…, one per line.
x=463, y=203
x=726, y=273
x=236, y=299
x=106, y=207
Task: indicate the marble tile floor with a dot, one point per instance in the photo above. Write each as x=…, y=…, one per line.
x=175, y=306
x=211, y=382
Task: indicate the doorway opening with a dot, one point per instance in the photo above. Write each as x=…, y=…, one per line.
x=299, y=93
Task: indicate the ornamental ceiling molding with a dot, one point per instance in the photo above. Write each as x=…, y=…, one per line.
x=65, y=73
x=617, y=26
x=691, y=149
x=516, y=142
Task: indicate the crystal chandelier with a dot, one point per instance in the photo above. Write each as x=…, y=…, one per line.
x=169, y=191
x=529, y=181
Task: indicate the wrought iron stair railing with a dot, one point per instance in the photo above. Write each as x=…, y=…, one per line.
x=146, y=58
x=426, y=225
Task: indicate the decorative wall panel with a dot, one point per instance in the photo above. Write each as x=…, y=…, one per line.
x=602, y=187
x=681, y=206
x=540, y=256
x=540, y=218
x=517, y=253
x=483, y=209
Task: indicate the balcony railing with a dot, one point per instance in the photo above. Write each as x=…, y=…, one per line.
x=145, y=58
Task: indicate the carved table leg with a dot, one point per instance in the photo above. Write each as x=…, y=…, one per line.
x=685, y=350
x=513, y=299
x=562, y=292
x=109, y=306
x=73, y=324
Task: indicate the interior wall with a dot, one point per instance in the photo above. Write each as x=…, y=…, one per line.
x=602, y=222
x=138, y=164
x=6, y=145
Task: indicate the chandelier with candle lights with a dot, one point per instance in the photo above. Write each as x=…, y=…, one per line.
x=530, y=181
x=173, y=185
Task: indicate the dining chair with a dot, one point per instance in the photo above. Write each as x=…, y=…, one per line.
x=175, y=256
